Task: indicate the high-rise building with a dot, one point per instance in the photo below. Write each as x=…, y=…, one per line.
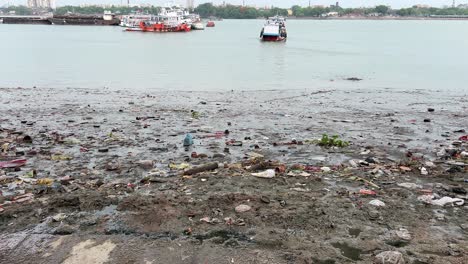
x=190, y=4
x=41, y=4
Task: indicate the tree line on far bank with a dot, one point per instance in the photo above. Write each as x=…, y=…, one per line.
x=241, y=12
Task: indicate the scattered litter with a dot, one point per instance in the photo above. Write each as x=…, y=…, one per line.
x=242, y=208
x=265, y=174
x=377, y=203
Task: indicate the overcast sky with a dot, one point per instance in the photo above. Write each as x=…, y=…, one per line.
x=280, y=3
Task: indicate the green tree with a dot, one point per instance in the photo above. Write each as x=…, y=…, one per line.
x=382, y=9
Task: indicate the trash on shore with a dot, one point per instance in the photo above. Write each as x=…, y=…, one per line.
x=13, y=163
x=242, y=208
x=268, y=174
x=429, y=199
x=205, y=167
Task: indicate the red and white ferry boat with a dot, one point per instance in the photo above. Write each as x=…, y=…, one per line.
x=168, y=20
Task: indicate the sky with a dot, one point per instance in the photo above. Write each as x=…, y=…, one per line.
x=260, y=3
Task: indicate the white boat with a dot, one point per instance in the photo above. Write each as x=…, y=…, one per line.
x=274, y=29
x=198, y=26
x=134, y=20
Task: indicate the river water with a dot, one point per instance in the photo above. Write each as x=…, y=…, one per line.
x=318, y=55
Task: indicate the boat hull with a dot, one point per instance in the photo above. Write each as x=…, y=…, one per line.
x=84, y=21
x=161, y=28
x=273, y=39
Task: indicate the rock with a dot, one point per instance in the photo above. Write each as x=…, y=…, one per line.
x=242, y=208
x=458, y=190
x=409, y=185
x=374, y=214
x=364, y=163
x=455, y=169
x=112, y=166
x=377, y=203
x=59, y=217
x=201, y=168
x=146, y=164
x=389, y=257
x=439, y=216
x=219, y=156
x=265, y=199
x=64, y=229
x=403, y=234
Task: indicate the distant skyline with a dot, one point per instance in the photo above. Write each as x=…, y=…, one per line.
x=261, y=3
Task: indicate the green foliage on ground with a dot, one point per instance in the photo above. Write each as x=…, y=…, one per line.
x=333, y=141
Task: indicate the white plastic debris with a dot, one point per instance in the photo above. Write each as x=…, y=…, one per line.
x=424, y=171
x=297, y=173
x=429, y=164
x=242, y=208
x=265, y=174
x=353, y=163
x=389, y=257
x=409, y=185
x=441, y=153
x=325, y=169
x=429, y=199
x=377, y=203
x=464, y=154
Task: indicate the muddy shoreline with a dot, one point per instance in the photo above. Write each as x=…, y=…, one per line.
x=105, y=176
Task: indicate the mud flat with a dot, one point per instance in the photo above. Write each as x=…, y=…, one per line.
x=95, y=176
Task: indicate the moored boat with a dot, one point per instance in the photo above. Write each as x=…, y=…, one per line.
x=168, y=20
x=274, y=30
x=146, y=26
x=134, y=20
x=77, y=19
x=198, y=26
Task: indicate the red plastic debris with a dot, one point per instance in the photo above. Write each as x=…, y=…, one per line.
x=12, y=163
x=464, y=138
x=367, y=192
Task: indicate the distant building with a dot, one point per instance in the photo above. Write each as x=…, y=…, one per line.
x=190, y=4
x=330, y=14
x=421, y=6
x=41, y=4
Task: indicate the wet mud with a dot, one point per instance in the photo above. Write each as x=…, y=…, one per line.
x=107, y=178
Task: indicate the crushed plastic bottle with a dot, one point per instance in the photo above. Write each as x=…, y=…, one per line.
x=188, y=140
